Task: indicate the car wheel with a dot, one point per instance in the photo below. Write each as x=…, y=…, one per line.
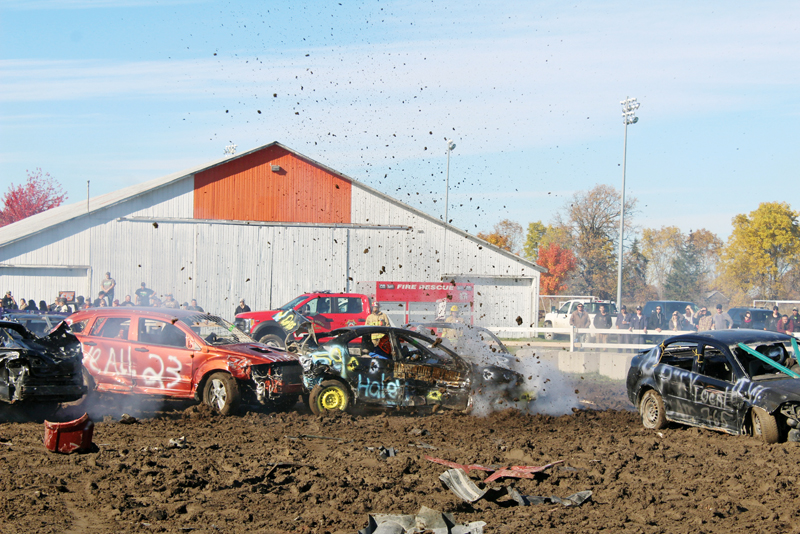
x=652, y=410
x=548, y=335
x=765, y=426
x=271, y=340
x=222, y=393
x=328, y=396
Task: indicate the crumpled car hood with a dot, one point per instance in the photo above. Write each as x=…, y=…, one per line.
x=258, y=353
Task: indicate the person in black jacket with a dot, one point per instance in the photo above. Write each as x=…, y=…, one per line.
x=241, y=308
x=657, y=320
x=771, y=323
x=602, y=321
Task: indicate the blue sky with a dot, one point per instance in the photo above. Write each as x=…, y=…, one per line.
x=123, y=91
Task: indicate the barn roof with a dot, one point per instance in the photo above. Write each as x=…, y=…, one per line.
x=41, y=222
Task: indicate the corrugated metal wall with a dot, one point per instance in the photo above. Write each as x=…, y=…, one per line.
x=267, y=265
x=246, y=189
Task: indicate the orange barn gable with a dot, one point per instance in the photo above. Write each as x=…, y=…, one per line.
x=247, y=189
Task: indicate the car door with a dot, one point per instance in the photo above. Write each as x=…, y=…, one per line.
x=369, y=367
x=428, y=374
x=712, y=394
x=319, y=309
x=348, y=311
x=107, y=353
x=162, y=358
x=673, y=378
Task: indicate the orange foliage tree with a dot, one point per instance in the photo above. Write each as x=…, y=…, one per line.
x=560, y=262
x=506, y=235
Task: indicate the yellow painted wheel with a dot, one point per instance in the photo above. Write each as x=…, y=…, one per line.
x=329, y=396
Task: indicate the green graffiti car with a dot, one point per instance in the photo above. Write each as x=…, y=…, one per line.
x=395, y=367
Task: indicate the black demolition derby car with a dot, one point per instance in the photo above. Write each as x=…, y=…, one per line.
x=395, y=367
x=736, y=381
x=39, y=372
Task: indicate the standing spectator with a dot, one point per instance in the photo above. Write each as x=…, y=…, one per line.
x=8, y=301
x=185, y=306
x=127, y=301
x=61, y=306
x=638, y=323
x=747, y=320
x=100, y=296
x=23, y=304
x=579, y=319
x=688, y=316
x=771, y=323
x=170, y=302
x=705, y=321
x=785, y=325
x=657, y=320
x=602, y=321
x=194, y=307
x=241, y=308
x=623, y=323
x=143, y=295
x=677, y=322
x=107, y=285
x=795, y=318
x=156, y=302
x=722, y=321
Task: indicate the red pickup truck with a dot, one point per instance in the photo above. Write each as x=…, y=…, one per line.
x=333, y=310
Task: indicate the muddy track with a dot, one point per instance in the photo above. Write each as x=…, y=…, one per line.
x=295, y=472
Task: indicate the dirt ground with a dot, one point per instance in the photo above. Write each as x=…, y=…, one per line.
x=295, y=472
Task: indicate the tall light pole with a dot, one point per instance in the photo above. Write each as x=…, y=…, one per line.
x=450, y=147
x=629, y=107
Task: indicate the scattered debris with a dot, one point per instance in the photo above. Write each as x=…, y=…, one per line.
x=311, y=436
x=178, y=443
x=426, y=520
x=386, y=452
x=418, y=432
x=459, y=483
x=127, y=419
x=72, y=436
x=576, y=499
x=423, y=445
x=515, y=471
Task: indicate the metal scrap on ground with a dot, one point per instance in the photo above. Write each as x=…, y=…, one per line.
x=426, y=520
x=515, y=471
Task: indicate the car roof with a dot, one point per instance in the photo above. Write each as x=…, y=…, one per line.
x=140, y=310
x=731, y=337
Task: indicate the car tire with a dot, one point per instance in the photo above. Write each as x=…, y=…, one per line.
x=271, y=340
x=652, y=411
x=548, y=335
x=329, y=396
x=765, y=426
x=221, y=392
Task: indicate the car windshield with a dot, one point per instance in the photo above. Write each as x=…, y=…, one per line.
x=215, y=330
x=293, y=303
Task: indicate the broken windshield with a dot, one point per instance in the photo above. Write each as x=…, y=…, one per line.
x=215, y=330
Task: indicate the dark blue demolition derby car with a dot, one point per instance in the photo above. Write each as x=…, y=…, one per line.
x=395, y=367
x=736, y=381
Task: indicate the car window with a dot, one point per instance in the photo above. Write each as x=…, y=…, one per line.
x=680, y=354
x=421, y=350
x=754, y=367
x=215, y=330
x=157, y=332
x=564, y=308
x=317, y=305
x=79, y=326
x=111, y=327
x=713, y=363
x=348, y=305
x=365, y=347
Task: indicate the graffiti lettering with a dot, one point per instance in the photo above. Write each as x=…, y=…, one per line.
x=378, y=389
x=155, y=378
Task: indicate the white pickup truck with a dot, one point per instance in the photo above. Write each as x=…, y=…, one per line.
x=560, y=318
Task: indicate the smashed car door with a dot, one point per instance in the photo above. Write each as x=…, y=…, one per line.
x=107, y=353
x=371, y=371
x=162, y=364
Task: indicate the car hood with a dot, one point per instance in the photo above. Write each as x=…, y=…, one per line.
x=257, y=352
x=772, y=392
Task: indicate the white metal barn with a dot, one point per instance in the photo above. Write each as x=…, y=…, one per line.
x=265, y=225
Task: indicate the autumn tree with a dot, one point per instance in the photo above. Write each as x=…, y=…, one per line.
x=559, y=262
x=635, y=289
x=533, y=239
x=660, y=247
x=39, y=193
x=762, y=251
x=593, y=221
x=506, y=235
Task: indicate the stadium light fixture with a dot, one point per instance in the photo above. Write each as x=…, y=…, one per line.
x=629, y=107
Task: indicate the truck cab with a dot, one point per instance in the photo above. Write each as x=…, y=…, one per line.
x=559, y=317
